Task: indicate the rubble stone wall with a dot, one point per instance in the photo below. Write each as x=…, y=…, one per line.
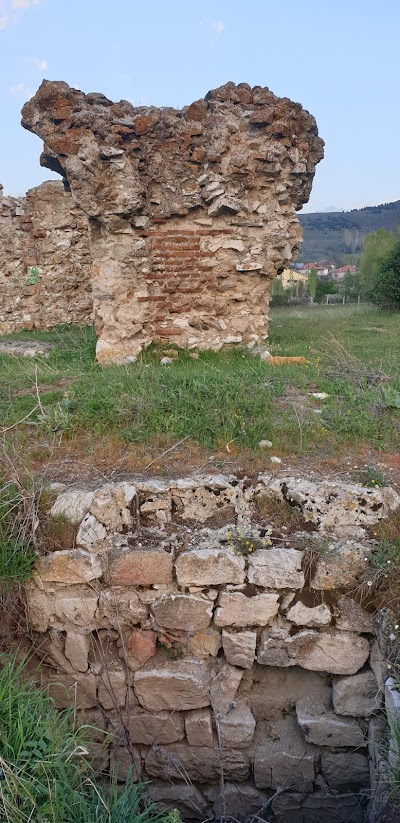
x=191, y=212
x=44, y=260
x=209, y=645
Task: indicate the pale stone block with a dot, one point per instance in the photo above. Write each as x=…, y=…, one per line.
x=239, y=610
x=76, y=605
x=239, y=647
x=236, y=729
x=112, y=688
x=73, y=505
x=199, y=730
x=205, y=643
x=139, y=567
x=330, y=730
x=282, y=758
x=76, y=650
x=225, y=681
x=350, y=616
x=301, y=615
x=90, y=532
x=69, y=566
x=178, y=686
x=340, y=566
x=357, y=695
x=155, y=729
x=329, y=651
x=198, y=763
x=276, y=568
x=185, y=612
x=120, y=608
x=111, y=506
x=209, y=567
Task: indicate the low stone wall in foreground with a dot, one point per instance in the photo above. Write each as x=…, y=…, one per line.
x=215, y=650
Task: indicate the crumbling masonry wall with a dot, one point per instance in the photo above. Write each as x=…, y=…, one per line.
x=191, y=212
x=44, y=260
x=211, y=648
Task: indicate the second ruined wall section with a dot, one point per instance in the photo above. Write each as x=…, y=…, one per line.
x=44, y=260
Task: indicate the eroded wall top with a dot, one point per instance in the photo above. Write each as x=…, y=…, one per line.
x=119, y=159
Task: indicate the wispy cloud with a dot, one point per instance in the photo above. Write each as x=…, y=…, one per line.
x=214, y=28
x=22, y=90
x=41, y=65
x=11, y=9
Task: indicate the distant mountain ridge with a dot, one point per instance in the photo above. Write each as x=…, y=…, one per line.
x=331, y=234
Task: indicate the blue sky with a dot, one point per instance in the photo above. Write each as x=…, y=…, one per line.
x=338, y=58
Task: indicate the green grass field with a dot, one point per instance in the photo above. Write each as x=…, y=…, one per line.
x=221, y=398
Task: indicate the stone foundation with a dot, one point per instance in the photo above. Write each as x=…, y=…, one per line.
x=191, y=212
x=44, y=261
x=215, y=651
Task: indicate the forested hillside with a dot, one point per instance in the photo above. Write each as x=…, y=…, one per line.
x=331, y=234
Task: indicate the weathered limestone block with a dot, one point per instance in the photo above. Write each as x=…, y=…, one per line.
x=277, y=691
x=91, y=531
x=283, y=759
x=301, y=615
x=204, y=643
x=357, y=695
x=73, y=505
x=239, y=610
x=120, y=608
x=343, y=508
x=340, y=566
x=209, y=567
x=112, y=690
x=189, y=801
x=139, y=567
x=110, y=506
x=199, y=729
x=69, y=566
x=197, y=763
x=329, y=651
x=140, y=647
x=185, y=612
x=239, y=647
x=345, y=771
x=330, y=730
x=350, y=616
x=76, y=649
x=225, y=681
x=204, y=498
x=276, y=568
x=178, y=686
x=179, y=203
x=236, y=729
x=67, y=690
x=155, y=729
x=76, y=605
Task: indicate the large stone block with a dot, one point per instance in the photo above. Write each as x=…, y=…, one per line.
x=236, y=728
x=176, y=686
x=345, y=771
x=276, y=568
x=330, y=730
x=329, y=651
x=185, y=612
x=111, y=506
x=155, y=729
x=69, y=566
x=340, y=566
x=282, y=758
x=209, y=567
x=120, y=608
x=199, y=729
x=357, y=695
x=198, y=763
x=301, y=615
x=73, y=505
x=189, y=801
x=239, y=647
x=139, y=567
x=225, y=681
x=76, y=605
x=238, y=610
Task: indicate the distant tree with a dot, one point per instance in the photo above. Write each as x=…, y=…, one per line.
x=352, y=285
x=376, y=245
x=312, y=283
x=325, y=287
x=386, y=287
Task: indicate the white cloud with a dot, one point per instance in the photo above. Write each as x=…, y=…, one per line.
x=41, y=65
x=9, y=10
x=217, y=26
x=21, y=90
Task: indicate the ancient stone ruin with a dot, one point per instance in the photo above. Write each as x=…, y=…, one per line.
x=191, y=212
x=235, y=668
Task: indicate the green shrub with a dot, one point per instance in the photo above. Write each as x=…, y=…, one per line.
x=45, y=776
